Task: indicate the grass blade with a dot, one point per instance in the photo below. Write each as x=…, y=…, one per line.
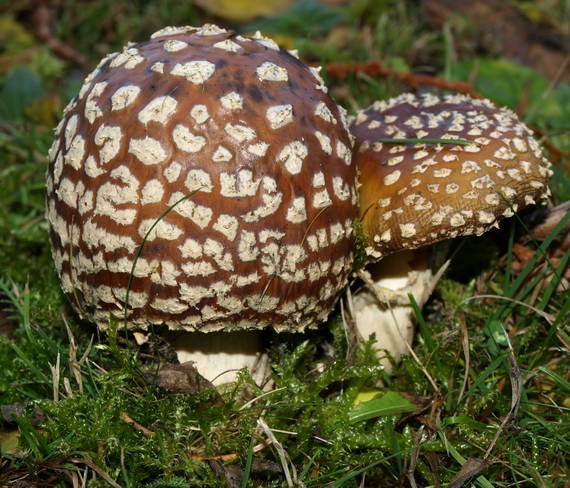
x=140, y=249
x=411, y=140
x=248, y=463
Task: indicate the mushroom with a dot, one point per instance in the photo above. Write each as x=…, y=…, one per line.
x=416, y=191
x=208, y=177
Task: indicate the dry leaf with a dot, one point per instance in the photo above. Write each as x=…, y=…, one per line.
x=472, y=467
x=182, y=378
x=9, y=442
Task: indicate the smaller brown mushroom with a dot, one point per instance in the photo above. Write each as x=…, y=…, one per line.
x=417, y=190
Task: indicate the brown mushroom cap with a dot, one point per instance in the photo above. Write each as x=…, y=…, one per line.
x=415, y=194
x=266, y=240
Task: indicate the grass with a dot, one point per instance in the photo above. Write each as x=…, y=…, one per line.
x=495, y=342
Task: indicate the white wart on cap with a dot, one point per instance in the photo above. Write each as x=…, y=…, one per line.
x=267, y=238
x=412, y=195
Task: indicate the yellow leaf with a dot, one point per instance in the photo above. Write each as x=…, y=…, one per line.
x=9, y=442
x=243, y=10
x=365, y=396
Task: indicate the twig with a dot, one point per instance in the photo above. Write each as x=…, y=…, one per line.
x=233, y=455
x=414, y=455
x=466, y=354
x=546, y=316
x=141, y=428
x=253, y=400
x=41, y=20
x=90, y=463
x=375, y=68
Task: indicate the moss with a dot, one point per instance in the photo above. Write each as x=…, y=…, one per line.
x=170, y=438
x=361, y=258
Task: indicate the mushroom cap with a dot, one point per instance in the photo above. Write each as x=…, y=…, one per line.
x=243, y=130
x=416, y=194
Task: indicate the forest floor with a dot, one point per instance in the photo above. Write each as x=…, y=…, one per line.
x=486, y=400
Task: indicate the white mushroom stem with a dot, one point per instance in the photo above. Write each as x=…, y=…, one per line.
x=382, y=307
x=219, y=356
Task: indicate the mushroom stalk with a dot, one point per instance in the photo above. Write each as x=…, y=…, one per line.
x=220, y=356
x=382, y=306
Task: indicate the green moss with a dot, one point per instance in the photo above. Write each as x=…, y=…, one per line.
x=461, y=397
x=360, y=256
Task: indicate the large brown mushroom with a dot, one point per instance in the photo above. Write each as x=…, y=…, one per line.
x=227, y=155
x=416, y=191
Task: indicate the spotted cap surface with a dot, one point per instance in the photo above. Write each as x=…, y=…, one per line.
x=266, y=240
x=415, y=194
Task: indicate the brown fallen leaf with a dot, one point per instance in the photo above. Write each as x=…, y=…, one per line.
x=9, y=413
x=184, y=378
x=541, y=223
x=544, y=220
x=179, y=378
x=232, y=474
x=522, y=254
x=471, y=468
x=421, y=403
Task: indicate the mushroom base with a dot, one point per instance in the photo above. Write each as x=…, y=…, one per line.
x=219, y=356
x=385, y=310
